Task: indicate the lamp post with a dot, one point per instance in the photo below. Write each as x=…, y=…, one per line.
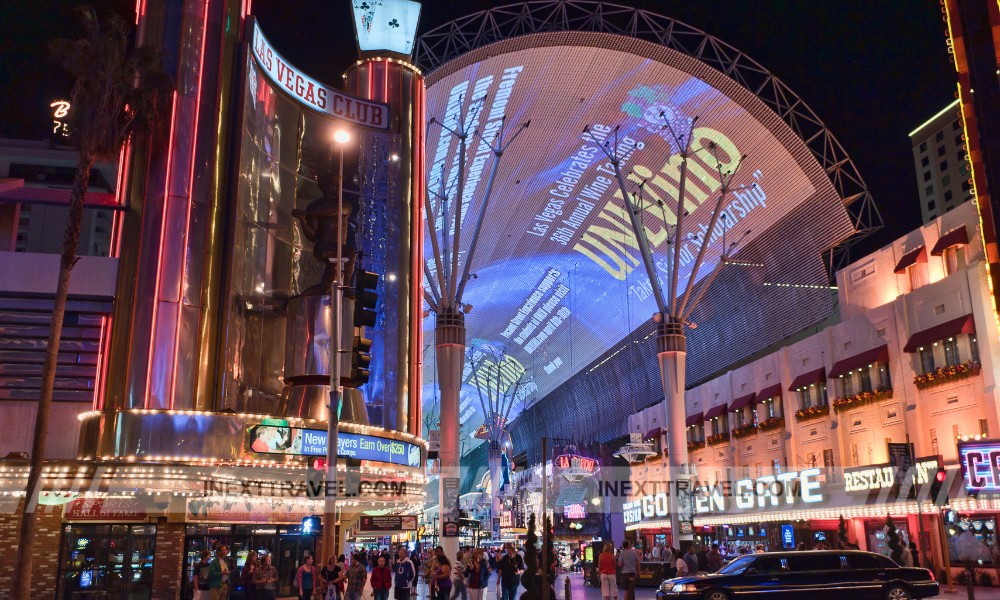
x=330, y=538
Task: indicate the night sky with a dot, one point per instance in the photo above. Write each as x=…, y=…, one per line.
x=872, y=71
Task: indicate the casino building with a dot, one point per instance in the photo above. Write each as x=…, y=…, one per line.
x=193, y=382
x=790, y=441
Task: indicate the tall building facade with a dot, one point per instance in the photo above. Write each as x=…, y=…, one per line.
x=944, y=179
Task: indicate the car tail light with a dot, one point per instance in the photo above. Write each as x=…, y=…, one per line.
x=931, y=573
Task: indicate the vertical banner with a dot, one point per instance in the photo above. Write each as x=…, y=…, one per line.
x=901, y=456
x=496, y=528
x=685, y=507
x=449, y=520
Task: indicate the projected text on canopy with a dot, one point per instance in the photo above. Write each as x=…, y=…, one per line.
x=559, y=272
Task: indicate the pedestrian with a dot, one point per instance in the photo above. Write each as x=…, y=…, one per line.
x=200, y=583
x=606, y=569
x=218, y=574
x=441, y=578
x=405, y=575
x=915, y=554
x=670, y=557
x=683, y=570
x=246, y=576
x=691, y=560
x=305, y=578
x=702, y=556
x=628, y=560
x=381, y=579
x=265, y=579
x=333, y=577
x=714, y=559
x=477, y=572
x=760, y=549
x=458, y=587
x=509, y=569
x=357, y=575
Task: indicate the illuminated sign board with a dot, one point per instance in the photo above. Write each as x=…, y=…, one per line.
x=270, y=439
x=980, y=465
x=769, y=491
x=575, y=511
x=862, y=480
x=387, y=523
x=313, y=94
x=560, y=277
x=577, y=463
x=507, y=518
x=386, y=25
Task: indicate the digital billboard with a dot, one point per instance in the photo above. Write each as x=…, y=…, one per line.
x=559, y=276
x=271, y=439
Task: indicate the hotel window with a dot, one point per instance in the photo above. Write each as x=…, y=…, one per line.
x=925, y=162
x=720, y=424
x=974, y=347
x=866, y=379
x=776, y=466
x=954, y=259
x=821, y=399
x=854, y=455
x=883, y=375
x=926, y=360
x=984, y=427
x=772, y=407
x=917, y=274
x=846, y=385
x=951, y=352
x=828, y=463
x=923, y=146
x=938, y=137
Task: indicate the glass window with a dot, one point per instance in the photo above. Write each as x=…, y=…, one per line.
x=924, y=162
x=846, y=385
x=948, y=195
x=943, y=165
x=954, y=259
x=974, y=346
x=776, y=466
x=768, y=564
x=927, y=175
x=938, y=137
x=821, y=399
x=951, y=352
x=883, y=375
x=810, y=561
x=866, y=379
x=927, y=360
x=929, y=190
x=946, y=180
x=941, y=151
x=108, y=560
x=773, y=407
x=804, y=400
x=863, y=561
x=923, y=147
x=931, y=205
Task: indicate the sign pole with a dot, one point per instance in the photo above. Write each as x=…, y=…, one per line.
x=545, y=529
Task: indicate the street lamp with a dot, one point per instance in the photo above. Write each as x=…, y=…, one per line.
x=331, y=539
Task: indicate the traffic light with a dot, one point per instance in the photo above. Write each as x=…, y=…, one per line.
x=365, y=299
x=938, y=487
x=360, y=359
x=316, y=478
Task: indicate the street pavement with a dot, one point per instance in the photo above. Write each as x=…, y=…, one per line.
x=579, y=591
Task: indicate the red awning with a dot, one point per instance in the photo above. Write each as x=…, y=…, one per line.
x=808, y=379
x=694, y=419
x=769, y=392
x=939, y=332
x=952, y=238
x=652, y=434
x=715, y=411
x=911, y=258
x=880, y=354
x=57, y=196
x=742, y=402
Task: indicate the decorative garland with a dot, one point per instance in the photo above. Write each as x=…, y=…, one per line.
x=771, y=423
x=813, y=412
x=742, y=431
x=863, y=398
x=718, y=438
x=943, y=375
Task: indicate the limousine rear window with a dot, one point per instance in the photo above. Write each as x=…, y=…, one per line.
x=810, y=561
x=737, y=566
x=863, y=561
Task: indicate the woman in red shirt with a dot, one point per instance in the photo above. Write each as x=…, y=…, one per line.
x=606, y=568
x=381, y=580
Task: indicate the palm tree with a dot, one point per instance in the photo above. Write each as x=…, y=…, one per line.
x=113, y=96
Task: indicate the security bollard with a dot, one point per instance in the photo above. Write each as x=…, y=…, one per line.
x=569, y=592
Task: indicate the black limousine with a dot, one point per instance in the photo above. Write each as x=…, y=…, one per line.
x=816, y=575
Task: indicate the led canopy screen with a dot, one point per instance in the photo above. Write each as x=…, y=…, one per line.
x=386, y=25
x=559, y=276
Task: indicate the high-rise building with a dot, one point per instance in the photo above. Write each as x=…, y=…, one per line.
x=944, y=180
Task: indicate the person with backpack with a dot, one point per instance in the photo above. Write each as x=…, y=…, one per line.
x=405, y=575
x=201, y=576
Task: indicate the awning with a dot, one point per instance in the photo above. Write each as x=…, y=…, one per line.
x=743, y=401
x=715, y=411
x=880, y=354
x=939, y=332
x=769, y=392
x=911, y=258
x=952, y=238
x=57, y=196
x=808, y=379
x=652, y=434
x=694, y=419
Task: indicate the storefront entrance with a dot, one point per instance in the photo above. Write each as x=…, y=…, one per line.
x=109, y=562
x=285, y=543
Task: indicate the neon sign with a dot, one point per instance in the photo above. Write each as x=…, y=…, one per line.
x=313, y=94
x=576, y=462
x=60, y=110
x=980, y=465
